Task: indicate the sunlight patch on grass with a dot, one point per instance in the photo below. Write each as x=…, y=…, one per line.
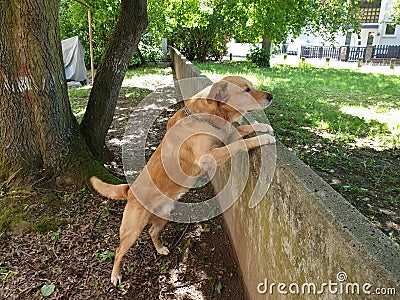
x=322, y=125
x=390, y=117
x=78, y=97
x=150, y=78
x=268, y=82
x=79, y=115
x=137, y=84
x=342, y=106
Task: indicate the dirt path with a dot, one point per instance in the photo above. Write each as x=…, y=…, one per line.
x=76, y=257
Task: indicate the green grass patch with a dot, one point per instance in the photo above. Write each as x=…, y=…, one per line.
x=14, y=211
x=343, y=123
x=25, y=211
x=47, y=224
x=78, y=97
x=340, y=105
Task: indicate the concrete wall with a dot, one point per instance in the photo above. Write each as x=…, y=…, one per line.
x=184, y=70
x=303, y=232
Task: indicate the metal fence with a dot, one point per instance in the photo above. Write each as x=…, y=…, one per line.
x=386, y=51
x=331, y=52
x=351, y=53
x=355, y=53
x=320, y=52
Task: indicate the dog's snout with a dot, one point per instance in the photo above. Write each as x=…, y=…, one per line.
x=270, y=96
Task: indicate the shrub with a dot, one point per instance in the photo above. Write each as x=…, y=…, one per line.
x=150, y=53
x=260, y=57
x=200, y=32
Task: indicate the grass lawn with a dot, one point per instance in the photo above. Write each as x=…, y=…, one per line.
x=343, y=124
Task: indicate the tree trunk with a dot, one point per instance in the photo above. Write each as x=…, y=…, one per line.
x=266, y=44
x=132, y=20
x=143, y=61
x=39, y=136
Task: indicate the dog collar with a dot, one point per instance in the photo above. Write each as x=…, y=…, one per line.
x=189, y=114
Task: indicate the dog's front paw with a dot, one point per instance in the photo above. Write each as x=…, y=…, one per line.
x=266, y=139
x=163, y=250
x=207, y=162
x=116, y=279
x=265, y=128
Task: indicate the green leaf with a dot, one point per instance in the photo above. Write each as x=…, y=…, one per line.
x=105, y=255
x=47, y=290
x=218, y=288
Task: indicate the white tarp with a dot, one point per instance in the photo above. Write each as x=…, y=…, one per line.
x=73, y=57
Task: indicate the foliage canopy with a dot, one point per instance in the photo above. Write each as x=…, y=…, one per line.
x=200, y=29
x=74, y=22
x=279, y=19
x=396, y=12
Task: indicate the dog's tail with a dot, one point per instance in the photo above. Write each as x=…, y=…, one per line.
x=117, y=192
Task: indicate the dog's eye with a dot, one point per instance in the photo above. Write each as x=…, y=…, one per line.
x=247, y=90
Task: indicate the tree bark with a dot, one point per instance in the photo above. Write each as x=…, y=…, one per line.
x=39, y=136
x=266, y=44
x=132, y=20
x=143, y=61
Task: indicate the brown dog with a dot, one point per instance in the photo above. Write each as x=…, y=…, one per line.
x=193, y=144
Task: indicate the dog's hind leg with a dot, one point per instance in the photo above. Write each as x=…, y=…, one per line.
x=157, y=226
x=133, y=223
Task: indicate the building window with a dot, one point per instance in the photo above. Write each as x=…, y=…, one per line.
x=370, y=11
x=390, y=29
x=348, y=38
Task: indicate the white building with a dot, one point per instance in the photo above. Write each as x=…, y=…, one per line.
x=376, y=29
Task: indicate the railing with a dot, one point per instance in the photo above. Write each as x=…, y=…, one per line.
x=320, y=52
x=378, y=53
x=386, y=51
x=331, y=52
x=355, y=53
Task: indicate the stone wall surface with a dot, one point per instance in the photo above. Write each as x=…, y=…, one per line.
x=303, y=240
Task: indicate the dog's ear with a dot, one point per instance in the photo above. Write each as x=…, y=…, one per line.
x=219, y=91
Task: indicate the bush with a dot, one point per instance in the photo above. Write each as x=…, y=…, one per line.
x=197, y=44
x=260, y=57
x=150, y=53
x=200, y=32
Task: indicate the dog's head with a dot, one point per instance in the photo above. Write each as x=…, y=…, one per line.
x=237, y=96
